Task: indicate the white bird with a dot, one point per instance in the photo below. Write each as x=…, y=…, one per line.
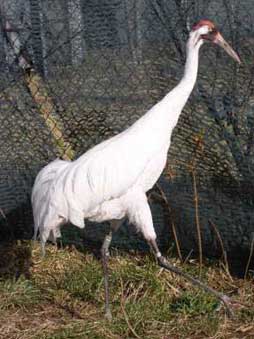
x=110, y=181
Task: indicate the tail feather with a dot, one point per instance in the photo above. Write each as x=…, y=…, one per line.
x=46, y=218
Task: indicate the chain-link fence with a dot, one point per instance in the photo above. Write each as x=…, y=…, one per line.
x=75, y=72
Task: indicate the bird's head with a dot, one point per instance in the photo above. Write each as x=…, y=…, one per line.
x=205, y=30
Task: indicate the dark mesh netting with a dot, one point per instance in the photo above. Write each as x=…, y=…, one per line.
x=74, y=73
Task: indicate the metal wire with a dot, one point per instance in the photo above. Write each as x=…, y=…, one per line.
x=85, y=70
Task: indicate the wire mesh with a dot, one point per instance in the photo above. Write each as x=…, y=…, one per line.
x=74, y=73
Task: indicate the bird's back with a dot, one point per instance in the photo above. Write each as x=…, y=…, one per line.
x=108, y=170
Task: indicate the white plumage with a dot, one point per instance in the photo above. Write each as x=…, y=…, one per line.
x=110, y=181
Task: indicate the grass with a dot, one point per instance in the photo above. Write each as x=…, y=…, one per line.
x=63, y=297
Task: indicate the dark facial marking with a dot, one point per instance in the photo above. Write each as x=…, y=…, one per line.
x=211, y=35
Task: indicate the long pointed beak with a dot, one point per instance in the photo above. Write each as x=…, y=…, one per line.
x=219, y=40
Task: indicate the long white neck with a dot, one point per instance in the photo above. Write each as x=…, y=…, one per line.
x=165, y=114
x=190, y=70
x=180, y=94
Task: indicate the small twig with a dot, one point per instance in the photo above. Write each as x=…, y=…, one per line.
x=125, y=314
x=175, y=290
x=57, y=283
x=9, y=227
x=195, y=192
x=136, y=292
x=188, y=256
x=163, y=195
x=224, y=253
x=250, y=256
x=66, y=307
x=2, y=214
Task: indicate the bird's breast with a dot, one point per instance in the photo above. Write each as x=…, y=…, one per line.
x=153, y=170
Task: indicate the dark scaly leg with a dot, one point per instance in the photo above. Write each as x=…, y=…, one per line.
x=162, y=261
x=105, y=256
x=142, y=218
x=114, y=225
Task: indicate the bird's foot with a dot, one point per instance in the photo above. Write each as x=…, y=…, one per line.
x=162, y=261
x=227, y=302
x=108, y=315
x=231, y=305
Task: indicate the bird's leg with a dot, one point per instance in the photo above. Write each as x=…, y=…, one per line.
x=114, y=225
x=162, y=261
x=142, y=218
x=105, y=256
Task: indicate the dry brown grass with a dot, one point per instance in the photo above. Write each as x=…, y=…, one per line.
x=63, y=298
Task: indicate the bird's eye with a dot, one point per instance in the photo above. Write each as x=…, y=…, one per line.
x=212, y=30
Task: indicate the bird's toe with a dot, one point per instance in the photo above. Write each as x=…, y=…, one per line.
x=108, y=315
